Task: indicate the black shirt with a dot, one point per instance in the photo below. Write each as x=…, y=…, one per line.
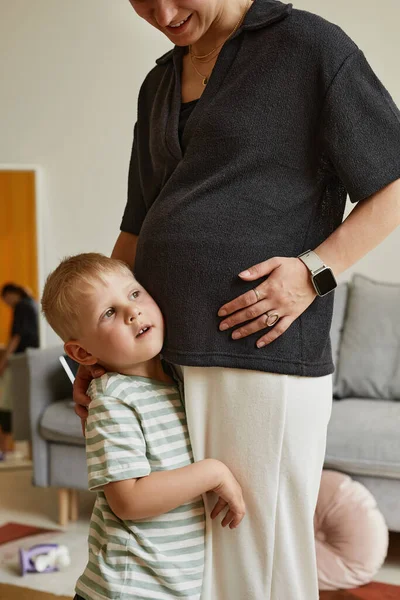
x=25, y=324
x=292, y=119
x=186, y=110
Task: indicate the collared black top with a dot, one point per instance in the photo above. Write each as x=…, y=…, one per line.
x=292, y=118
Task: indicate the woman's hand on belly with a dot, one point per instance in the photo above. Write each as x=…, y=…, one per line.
x=273, y=304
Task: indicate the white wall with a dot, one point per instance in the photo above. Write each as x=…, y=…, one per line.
x=70, y=73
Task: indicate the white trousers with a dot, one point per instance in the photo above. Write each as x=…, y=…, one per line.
x=270, y=430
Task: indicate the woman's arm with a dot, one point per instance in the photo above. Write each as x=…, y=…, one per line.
x=10, y=349
x=125, y=248
x=369, y=223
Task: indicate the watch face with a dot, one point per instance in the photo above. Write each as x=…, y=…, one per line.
x=324, y=282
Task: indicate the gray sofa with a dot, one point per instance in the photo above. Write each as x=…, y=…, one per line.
x=363, y=435
x=58, y=446
x=19, y=394
x=364, y=430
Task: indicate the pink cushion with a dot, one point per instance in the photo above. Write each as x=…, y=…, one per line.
x=350, y=533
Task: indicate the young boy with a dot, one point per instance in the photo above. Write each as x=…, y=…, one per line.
x=146, y=537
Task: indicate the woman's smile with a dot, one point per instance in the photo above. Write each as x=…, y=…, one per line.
x=180, y=26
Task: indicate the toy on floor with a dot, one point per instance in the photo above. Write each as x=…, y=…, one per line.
x=44, y=558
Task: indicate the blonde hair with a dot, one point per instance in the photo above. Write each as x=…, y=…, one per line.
x=69, y=283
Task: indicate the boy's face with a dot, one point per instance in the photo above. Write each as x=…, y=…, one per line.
x=121, y=325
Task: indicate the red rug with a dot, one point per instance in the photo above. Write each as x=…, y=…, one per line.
x=15, y=531
x=372, y=591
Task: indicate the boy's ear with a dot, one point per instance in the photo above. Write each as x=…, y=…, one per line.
x=76, y=352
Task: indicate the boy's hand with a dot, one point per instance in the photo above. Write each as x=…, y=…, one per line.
x=230, y=495
x=83, y=377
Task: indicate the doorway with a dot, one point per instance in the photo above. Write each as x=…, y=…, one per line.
x=18, y=236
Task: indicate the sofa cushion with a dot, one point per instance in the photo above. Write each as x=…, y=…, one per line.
x=59, y=423
x=363, y=438
x=339, y=310
x=351, y=536
x=369, y=365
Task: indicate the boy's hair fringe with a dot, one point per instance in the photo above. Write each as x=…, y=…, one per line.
x=67, y=285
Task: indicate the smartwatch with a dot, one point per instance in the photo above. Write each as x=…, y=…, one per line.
x=322, y=276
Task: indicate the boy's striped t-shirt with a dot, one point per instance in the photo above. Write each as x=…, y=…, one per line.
x=136, y=426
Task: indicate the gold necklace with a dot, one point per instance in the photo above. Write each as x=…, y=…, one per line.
x=214, y=54
x=200, y=57
x=204, y=77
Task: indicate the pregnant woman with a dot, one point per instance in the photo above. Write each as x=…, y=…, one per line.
x=250, y=134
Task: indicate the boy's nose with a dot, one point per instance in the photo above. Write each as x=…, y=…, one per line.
x=132, y=315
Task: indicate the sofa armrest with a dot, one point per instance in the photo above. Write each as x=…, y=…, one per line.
x=19, y=393
x=47, y=384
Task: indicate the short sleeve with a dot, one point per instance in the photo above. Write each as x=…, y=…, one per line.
x=360, y=129
x=115, y=445
x=135, y=208
x=24, y=319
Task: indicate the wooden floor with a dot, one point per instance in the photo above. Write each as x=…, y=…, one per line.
x=11, y=592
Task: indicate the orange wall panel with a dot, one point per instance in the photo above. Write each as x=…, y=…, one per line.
x=18, y=244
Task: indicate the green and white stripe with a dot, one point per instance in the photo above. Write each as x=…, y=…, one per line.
x=135, y=426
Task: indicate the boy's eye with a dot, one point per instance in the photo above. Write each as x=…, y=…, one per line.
x=109, y=313
x=134, y=294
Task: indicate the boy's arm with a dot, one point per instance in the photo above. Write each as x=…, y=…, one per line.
x=162, y=491
x=118, y=465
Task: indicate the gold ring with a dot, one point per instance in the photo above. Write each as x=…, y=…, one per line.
x=257, y=293
x=271, y=319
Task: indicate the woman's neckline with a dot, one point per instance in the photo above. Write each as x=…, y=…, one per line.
x=190, y=102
